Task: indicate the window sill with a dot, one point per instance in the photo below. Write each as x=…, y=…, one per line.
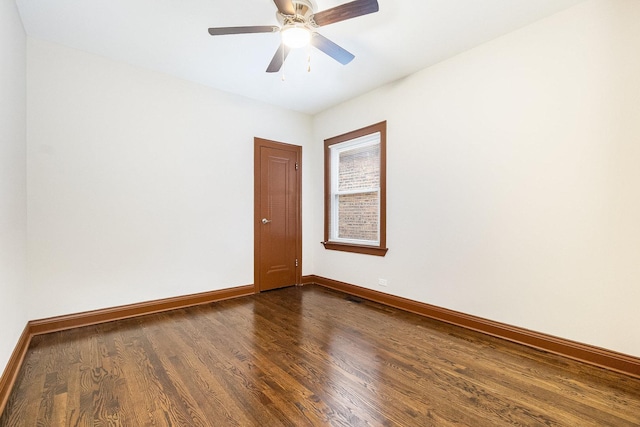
x=359, y=249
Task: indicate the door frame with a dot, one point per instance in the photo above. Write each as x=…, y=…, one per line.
x=258, y=144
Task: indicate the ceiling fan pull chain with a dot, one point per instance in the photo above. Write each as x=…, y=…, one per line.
x=309, y=59
x=283, y=64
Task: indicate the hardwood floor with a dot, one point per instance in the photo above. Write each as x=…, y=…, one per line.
x=305, y=356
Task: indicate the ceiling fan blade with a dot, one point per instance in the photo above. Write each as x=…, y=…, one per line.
x=330, y=48
x=221, y=31
x=285, y=7
x=278, y=59
x=345, y=11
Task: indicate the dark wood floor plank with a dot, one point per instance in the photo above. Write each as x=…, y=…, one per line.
x=413, y=382
x=26, y=393
x=170, y=357
x=478, y=356
x=272, y=389
x=241, y=358
x=305, y=357
x=307, y=363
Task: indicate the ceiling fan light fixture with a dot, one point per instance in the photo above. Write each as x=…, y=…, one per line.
x=296, y=36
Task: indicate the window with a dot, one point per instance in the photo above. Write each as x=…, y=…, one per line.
x=355, y=191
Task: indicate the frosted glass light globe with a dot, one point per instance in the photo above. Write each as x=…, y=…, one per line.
x=296, y=36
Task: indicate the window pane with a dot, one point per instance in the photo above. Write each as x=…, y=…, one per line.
x=359, y=168
x=358, y=216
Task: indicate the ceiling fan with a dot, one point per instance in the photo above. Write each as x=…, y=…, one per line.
x=298, y=24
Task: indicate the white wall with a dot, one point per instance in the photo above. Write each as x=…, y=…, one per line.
x=13, y=186
x=514, y=179
x=140, y=184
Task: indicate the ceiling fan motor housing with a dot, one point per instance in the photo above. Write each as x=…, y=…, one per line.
x=304, y=11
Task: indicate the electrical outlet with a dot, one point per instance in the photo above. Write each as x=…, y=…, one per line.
x=382, y=282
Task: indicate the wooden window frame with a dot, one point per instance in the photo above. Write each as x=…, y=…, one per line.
x=380, y=249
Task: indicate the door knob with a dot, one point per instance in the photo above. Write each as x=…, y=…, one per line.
x=266, y=221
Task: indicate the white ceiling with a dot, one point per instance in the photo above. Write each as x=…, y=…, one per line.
x=171, y=36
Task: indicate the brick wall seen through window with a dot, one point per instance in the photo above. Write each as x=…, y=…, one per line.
x=358, y=213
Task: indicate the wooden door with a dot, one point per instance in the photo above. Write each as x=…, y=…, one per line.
x=277, y=215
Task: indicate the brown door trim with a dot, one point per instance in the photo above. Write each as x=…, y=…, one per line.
x=259, y=143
